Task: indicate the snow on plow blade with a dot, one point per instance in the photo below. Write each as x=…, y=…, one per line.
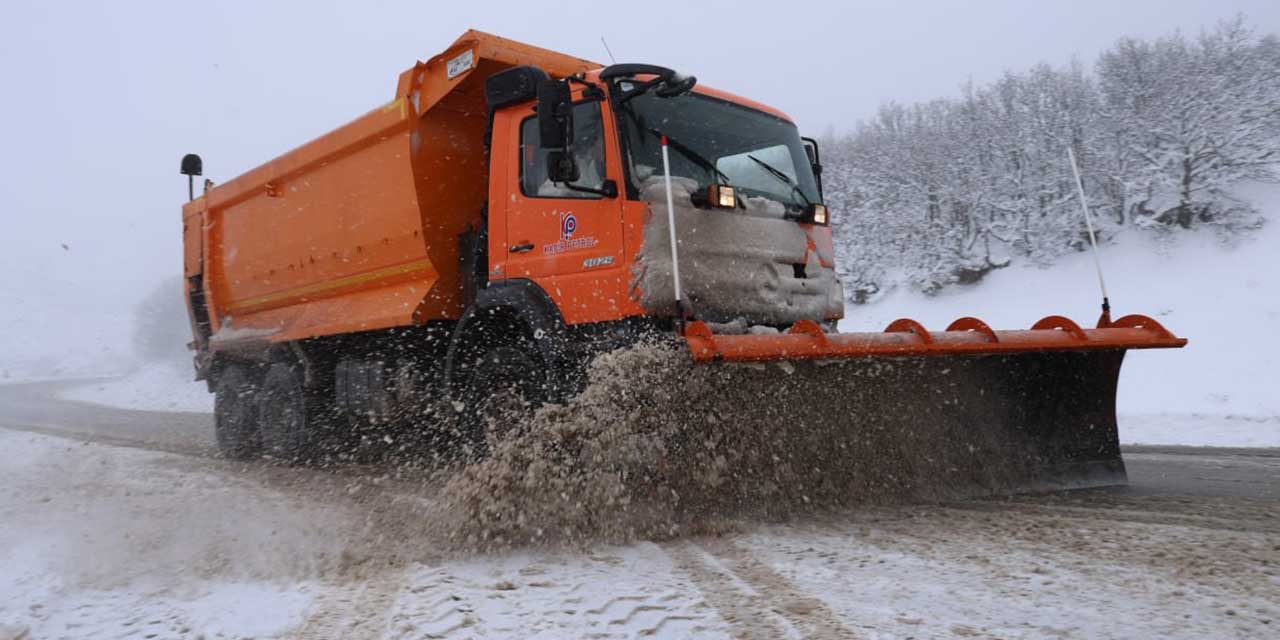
x=1034, y=408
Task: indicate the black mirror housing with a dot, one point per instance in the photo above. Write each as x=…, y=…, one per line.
x=676, y=85
x=811, y=150
x=192, y=165
x=561, y=167
x=815, y=160
x=555, y=115
x=513, y=86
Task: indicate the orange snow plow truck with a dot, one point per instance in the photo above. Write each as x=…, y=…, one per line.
x=513, y=212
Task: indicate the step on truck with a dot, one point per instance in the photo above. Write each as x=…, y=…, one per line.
x=511, y=212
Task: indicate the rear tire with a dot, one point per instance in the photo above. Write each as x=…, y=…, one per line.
x=288, y=424
x=235, y=413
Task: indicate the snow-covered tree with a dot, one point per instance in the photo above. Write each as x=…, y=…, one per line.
x=943, y=192
x=1191, y=118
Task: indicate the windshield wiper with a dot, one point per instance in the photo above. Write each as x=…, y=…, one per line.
x=697, y=158
x=786, y=179
x=684, y=150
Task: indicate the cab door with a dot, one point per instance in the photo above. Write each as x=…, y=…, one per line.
x=567, y=240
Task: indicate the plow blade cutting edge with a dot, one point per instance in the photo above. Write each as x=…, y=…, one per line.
x=1005, y=410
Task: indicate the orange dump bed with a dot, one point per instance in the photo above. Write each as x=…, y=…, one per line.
x=358, y=229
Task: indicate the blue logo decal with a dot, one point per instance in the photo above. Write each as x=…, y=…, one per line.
x=568, y=224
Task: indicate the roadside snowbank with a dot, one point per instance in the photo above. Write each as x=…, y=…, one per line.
x=1199, y=430
x=151, y=387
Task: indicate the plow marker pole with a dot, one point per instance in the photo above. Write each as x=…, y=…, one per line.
x=671, y=226
x=1093, y=239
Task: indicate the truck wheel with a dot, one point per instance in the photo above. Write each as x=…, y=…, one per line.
x=287, y=421
x=235, y=413
x=507, y=385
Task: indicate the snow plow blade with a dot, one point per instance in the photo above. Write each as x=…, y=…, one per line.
x=1030, y=410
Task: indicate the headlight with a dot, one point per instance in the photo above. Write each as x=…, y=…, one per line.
x=721, y=195
x=818, y=214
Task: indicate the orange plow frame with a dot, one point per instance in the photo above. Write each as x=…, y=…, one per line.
x=805, y=340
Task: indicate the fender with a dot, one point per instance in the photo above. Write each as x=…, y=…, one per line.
x=529, y=305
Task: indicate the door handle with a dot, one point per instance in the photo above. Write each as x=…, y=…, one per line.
x=521, y=248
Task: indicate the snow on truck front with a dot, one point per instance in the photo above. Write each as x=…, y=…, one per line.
x=754, y=237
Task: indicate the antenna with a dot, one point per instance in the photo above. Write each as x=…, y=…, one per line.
x=609, y=51
x=1093, y=240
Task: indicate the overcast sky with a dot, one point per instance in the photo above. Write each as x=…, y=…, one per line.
x=101, y=99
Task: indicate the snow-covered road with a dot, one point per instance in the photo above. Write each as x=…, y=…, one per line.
x=109, y=530
x=104, y=541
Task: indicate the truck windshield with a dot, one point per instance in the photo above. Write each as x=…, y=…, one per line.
x=715, y=141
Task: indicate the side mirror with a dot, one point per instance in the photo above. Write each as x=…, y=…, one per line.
x=513, y=86
x=815, y=160
x=561, y=167
x=811, y=149
x=555, y=115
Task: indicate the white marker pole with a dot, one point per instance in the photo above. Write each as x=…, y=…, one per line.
x=671, y=226
x=1093, y=240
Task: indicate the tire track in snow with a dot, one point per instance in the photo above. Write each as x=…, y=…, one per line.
x=757, y=601
x=935, y=572
x=746, y=619
x=354, y=611
x=595, y=595
x=435, y=605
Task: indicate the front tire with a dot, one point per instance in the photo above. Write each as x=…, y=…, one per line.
x=235, y=413
x=505, y=387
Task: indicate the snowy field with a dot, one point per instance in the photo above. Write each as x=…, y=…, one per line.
x=106, y=542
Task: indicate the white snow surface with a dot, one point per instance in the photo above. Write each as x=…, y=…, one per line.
x=1199, y=430
x=101, y=542
x=155, y=386
x=98, y=541
x=1223, y=299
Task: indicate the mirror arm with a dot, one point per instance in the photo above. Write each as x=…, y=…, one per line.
x=592, y=90
x=638, y=89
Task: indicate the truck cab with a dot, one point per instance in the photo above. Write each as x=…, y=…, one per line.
x=577, y=197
